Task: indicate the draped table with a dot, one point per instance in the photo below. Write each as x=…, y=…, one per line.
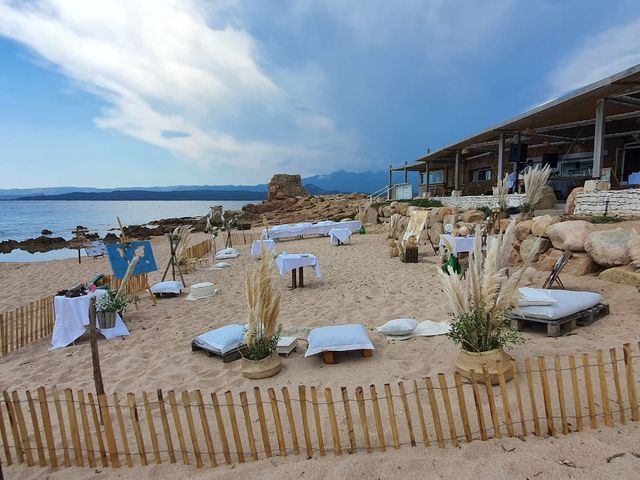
x=339, y=235
x=460, y=244
x=256, y=247
x=290, y=262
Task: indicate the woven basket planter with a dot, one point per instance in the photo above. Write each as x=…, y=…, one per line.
x=265, y=368
x=394, y=250
x=468, y=361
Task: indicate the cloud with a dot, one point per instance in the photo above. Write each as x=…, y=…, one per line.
x=601, y=55
x=181, y=67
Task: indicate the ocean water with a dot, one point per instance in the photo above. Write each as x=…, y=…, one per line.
x=21, y=219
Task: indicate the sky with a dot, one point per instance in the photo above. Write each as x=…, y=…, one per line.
x=118, y=93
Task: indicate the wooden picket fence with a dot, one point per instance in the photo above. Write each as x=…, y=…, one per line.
x=26, y=324
x=199, y=250
x=135, y=285
x=550, y=397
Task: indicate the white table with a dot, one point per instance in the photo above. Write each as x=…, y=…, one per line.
x=301, y=229
x=290, y=262
x=460, y=244
x=340, y=235
x=72, y=317
x=256, y=247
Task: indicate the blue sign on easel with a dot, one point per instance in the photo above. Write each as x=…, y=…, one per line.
x=122, y=254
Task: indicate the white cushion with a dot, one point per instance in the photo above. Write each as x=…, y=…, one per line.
x=222, y=340
x=535, y=296
x=227, y=253
x=399, y=326
x=168, y=286
x=338, y=338
x=201, y=290
x=567, y=304
x=222, y=265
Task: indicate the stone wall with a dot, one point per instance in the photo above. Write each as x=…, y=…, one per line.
x=477, y=201
x=614, y=202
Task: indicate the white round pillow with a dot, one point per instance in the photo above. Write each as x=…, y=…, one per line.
x=398, y=326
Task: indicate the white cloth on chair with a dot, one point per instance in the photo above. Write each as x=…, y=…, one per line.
x=256, y=247
x=340, y=235
x=72, y=318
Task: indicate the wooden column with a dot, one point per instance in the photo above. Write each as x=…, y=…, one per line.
x=390, y=182
x=500, y=159
x=456, y=173
x=405, y=172
x=598, y=141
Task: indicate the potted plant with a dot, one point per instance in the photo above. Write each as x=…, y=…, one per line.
x=260, y=356
x=534, y=180
x=109, y=305
x=481, y=306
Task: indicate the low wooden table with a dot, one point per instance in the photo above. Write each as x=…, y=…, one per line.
x=292, y=262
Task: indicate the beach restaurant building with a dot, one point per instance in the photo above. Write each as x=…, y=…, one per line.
x=591, y=133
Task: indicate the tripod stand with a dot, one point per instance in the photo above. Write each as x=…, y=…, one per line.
x=173, y=260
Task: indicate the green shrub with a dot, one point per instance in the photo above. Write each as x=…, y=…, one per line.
x=605, y=219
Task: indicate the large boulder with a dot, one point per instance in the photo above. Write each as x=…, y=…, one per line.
x=401, y=208
x=570, y=206
x=547, y=199
x=533, y=246
x=539, y=225
x=433, y=216
x=578, y=265
x=626, y=275
x=284, y=186
x=370, y=215
x=386, y=211
x=473, y=216
x=435, y=231
x=449, y=219
x=609, y=248
x=444, y=211
x=523, y=230
x=548, y=260
x=571, y=234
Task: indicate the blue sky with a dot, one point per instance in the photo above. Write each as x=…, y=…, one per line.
x=164, y=92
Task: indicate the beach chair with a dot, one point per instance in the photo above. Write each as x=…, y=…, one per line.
x=338, y=338
x=562, y=313
x=554, y=276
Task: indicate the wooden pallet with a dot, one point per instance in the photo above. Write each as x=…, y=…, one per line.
x=329, y=358
x=226, y=358
x=556, y=328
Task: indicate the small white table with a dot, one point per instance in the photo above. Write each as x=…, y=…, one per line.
x=340, y=235
x=290, y=262
x=72, y=317
x=256, y=247
x=460, y=244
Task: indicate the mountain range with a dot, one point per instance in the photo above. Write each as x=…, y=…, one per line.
x=340, y=181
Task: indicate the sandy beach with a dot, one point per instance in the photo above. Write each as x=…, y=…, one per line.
x=359, y=284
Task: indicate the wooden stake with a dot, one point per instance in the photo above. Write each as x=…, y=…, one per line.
x=302, y=395
x=86, y=429
x=152, y=429
x=96, y=421
x=335, y=433
x=95, y=354
x=316, y=417
x=477, y=400
x=247, y=422
x=516, y=382
x=590, y=400
x=291, y=420
x=231, y=410
x=546, y=396
x=364, y=424
x=492, y=401
x=532, y=398
x=186, y=403
x=407, y=413
x=631, y=382
x=616, y=381
x=165, y=426
x=444, y=391
x=392, y=416
x=560, y=386
x=263, y=424
x=63, y=435
x=5, y=440
x=42, y=461
x=221, y=430
x=434, y=412
x=178, y=424
x=46, y=424
x=133, y=410
x=378, y=419
x=73, y=425
x=22, y=427
x=123, y=431
x=577, y=406
x=604, y=391
x=349, y=418
x=421, y=420
x=204, y=422
x=276, y=420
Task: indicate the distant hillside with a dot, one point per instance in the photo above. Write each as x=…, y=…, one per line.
x=150, y=195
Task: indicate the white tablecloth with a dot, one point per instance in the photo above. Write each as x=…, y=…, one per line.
x=256, y=247
x=460, y=244
x=341, y=234
x=301, y=229
x=72, y=317
x=289, y=261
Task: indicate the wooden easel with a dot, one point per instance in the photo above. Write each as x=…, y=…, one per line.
x=124, y=240
x=173, y=261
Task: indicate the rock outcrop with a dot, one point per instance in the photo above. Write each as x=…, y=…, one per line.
x=533, y=246
x=609, y=248
x=283, y=186
x=539, y=225
x=547, y=199
x=570, y=206
x=571, y=234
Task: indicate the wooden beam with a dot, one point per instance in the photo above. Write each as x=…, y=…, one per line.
x=598, y=141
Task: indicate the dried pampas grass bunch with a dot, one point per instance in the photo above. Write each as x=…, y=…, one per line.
x=481, y=304
x=263, y=308
x=182, y=234
x=534, y=180
x=503, y=189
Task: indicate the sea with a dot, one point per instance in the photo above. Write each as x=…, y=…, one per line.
x=20, y=219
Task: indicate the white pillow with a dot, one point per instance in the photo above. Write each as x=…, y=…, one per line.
x=399, y=326
x=168, y=286
x=221, y=265
x=227, y=253
x=222, y=340
x=338, y=338
x=535, y=297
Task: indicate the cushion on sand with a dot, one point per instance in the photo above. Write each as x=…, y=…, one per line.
x=201, y=290
x=535, y=296
x=222, y=340
x=227, y=253
x=567, y=303
x=168, y=287
x=399, y=326
x=338, y=338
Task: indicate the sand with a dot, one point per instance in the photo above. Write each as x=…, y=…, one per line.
x=360, y=284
